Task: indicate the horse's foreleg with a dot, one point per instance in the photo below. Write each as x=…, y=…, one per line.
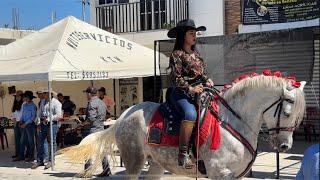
x=131, y=146
x=155, y=171
x=133, y=162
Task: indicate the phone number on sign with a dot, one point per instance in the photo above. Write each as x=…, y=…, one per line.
x=87, y=75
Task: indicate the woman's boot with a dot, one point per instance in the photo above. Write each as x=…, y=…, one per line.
x=184, y=158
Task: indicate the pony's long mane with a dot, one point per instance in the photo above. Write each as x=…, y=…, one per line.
x=270, y=80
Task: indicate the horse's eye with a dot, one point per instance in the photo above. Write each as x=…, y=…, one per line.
x=286, y=114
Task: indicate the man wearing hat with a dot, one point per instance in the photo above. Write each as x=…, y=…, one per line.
x=95, y=116
x=28, y=116
x=42, y=143
x=55, y=116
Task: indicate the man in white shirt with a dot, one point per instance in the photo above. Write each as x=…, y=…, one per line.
x=41, y=134
x=55, y=116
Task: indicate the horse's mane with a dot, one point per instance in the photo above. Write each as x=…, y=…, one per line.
x=260, y=81
x=267, y=79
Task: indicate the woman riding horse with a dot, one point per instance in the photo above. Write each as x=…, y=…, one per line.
x=187, y=68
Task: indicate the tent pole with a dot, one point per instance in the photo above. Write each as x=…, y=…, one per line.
x=2, y=106
x=51, y=129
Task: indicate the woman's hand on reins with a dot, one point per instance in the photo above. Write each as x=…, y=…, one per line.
x=196, y=89
x=209, y=83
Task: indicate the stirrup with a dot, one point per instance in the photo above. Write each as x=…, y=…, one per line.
x=184, y=160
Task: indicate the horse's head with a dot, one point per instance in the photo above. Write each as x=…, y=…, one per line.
x=284, y=115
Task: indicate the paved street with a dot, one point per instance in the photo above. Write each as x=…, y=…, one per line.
x=263, y=168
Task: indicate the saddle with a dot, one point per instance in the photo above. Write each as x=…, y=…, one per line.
x=164, y=127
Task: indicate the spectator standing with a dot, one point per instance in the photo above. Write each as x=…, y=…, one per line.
x=56, y=110
x=60, y=97
x=68, y=106
x=42, y=143
x=27, y=127
x=16, y=116
x=107, y=100
x=95, y=116
x=55, y=116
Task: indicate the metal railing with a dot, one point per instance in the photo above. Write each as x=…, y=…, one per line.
x=141, y=16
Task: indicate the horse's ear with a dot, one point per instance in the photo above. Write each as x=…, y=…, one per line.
x=302, y=84
x=288, y=93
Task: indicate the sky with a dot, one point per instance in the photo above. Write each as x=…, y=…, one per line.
x=36, y=14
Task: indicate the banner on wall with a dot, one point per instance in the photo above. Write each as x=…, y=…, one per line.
x=128, y=93
x=278, y=11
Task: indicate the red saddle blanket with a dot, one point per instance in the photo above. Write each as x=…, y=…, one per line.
x=210, y=125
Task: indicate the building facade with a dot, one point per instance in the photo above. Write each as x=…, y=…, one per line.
x=285, y=15
x=144, y=21
x=9, y=35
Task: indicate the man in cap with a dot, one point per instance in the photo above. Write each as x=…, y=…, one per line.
x=28, y=116
x=95, y=116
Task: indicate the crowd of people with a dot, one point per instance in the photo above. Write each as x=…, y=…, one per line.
x=32, y=122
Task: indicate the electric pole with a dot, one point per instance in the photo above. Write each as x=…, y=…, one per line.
x=83, y=4
x=53, y=17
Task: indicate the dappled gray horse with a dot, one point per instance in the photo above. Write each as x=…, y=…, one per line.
x=254, y=100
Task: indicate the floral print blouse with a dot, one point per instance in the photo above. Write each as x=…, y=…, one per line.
x=186, y=69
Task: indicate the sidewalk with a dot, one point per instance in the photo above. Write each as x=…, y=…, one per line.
x=263, y=168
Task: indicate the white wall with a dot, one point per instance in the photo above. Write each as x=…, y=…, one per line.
x=277, y=26
x=13, y=33
x=209, y=13
x=146, y=38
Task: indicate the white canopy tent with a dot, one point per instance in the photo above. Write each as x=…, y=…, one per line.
x=74, y=50
x=71, y=50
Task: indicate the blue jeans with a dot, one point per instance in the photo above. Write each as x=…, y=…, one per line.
x=44, y=141
x=43, y=152
x=17, y=137
x=184, y=104
x=55, y=129
x=27, y=140
x=46, y=150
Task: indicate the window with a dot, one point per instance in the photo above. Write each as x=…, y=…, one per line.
x=146, y=13
x=112, y=1
x=123, y=1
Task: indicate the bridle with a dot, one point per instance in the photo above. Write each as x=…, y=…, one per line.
x=277, y=114
x=216, y=93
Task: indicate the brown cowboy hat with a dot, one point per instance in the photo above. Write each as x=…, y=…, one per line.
x=184, y=24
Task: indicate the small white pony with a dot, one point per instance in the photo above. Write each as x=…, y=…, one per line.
x=255, y=100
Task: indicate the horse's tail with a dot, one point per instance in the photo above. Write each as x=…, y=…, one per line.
x=94, y=147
